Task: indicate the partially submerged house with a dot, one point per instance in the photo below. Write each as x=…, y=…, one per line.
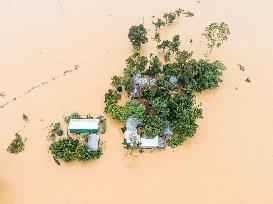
x=140, y=82
x=86, y=126
x=132, y=123
x=134, y=139
x=155, y=142
x=83, y=125
x=143, y=81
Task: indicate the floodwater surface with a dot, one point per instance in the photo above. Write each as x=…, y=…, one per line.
x=230, y=159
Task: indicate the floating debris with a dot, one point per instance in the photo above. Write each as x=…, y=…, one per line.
x=241, y=67
x=247, y=80
x=56, y=160
x=2, y=94
x=25, y=117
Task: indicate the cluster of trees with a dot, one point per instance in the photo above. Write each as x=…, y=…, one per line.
x=121, y=113
x=171, y=103
x=69, y=149
x=195, y=75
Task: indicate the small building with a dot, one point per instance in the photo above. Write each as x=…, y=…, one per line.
x=167, y=131
x=93, y=142
x=173, y=80
x=143, y=81
x=83, y=125
x=149, y=142
x=155, y=142
x=132, y=138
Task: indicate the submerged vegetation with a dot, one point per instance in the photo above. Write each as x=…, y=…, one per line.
x=162, y=87
x=17, y=145
x=216, y=34
x=69, y=148
x=2, y=94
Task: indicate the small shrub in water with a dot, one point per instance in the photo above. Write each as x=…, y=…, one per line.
x=17, y=145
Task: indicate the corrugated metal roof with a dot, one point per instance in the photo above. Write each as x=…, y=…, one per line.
x=143, y=81
x=149, y=142
x=145, y=142
x=78, y=124
x=132, y=137
x=168, y=131
x=173, y=79
x=93, y=142
x=132, y=123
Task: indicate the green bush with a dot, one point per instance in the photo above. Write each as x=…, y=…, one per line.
x=17, y=145
x=74, y=115
x=117, y=81
x=102, y=124
x=155, y=66
x=153, y=125
x=176, y=141
x=117, y=112
x=84, y=154
x=112, y=96
x=216, y=34
x=201, y=75
x=133, y=108
x=137, y=62
x=138, y=36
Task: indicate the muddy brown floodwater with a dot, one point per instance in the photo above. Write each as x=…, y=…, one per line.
x=230, y=159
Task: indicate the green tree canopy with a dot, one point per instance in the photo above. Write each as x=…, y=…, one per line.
x=138, y=35
x=133, y=108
